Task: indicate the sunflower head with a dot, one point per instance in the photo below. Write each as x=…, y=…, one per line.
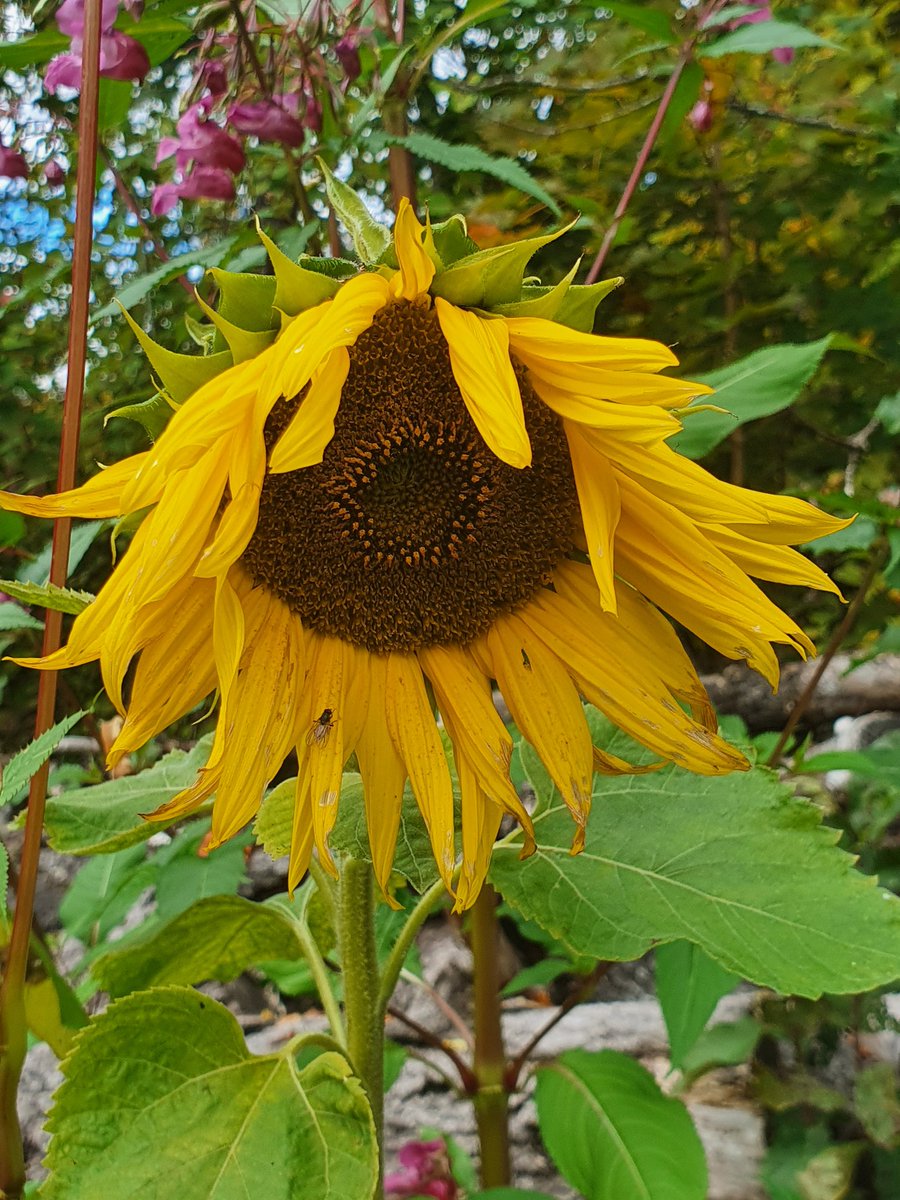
x=394, y=487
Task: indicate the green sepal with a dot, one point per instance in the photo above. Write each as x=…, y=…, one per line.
x=245, y=300
x=296, y=289
x=450, y=241
x=491, y=277
x=243, y=343
x=540, y=301
x=370, y=238
x=580, y=304
x=335, y=268
x=153, y=414
x=180, y=374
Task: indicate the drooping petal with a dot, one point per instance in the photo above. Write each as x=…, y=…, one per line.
x=306, y=437
x=175, y=671
x=788, y=520
x=383, y=775
x=246, y=474
x=480, y=823
x=464, y=699
x=545, y=705
x=100, y=496
x=627, y=691
x=538, y=338
x=479, y=355
x=637, y=424
x=598, y=497
x=416, y=268
x=413, y=731
x=763, y=560
x=609, y=383
x=228, y=633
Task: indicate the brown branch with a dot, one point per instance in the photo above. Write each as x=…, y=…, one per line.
x=771, y=114
x=466, y=1074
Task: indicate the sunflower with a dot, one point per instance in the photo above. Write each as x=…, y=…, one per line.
x=431, y=479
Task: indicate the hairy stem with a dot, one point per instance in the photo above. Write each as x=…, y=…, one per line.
x=491, y=1099
x=359, y=963
x=13, y=1027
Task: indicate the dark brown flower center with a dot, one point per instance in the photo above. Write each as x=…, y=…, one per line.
x=411, y=532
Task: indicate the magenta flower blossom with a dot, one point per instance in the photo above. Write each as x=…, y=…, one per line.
x=268, y=120
x=202, y=142
x=203, y=183
x=701, y=116
x=214, y=77
x=312, y=113
x=347, y=52
x=54, y=174
x=425, y=1171
x=121, y=57
x=12, y=164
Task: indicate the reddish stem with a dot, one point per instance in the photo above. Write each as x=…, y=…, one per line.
x=684, y=57
x=13, y=1028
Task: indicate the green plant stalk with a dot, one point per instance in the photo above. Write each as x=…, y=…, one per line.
x=491, y=1098
x=323, y=986
x=359, y=963
x=428, y=902
x=13, y=1024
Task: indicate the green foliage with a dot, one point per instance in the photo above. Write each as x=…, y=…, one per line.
x=769, y=897
x=594, y=1113
x=161, y=1100
x=689, y=985
x=763, y=37
x=107, y=817
x=724, y=1045
x=47, y=595
x=764, y=382
x=23, y=765
x=216, y=938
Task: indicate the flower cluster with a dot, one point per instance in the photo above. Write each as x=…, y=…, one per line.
x=121, y=57
x=425, y=1171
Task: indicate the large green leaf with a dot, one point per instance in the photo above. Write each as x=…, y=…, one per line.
x=47, y=595
x=13, y=618
x=162, y=1101
x=23, y=765
x=762, y=37
x=103, y=891
x=612, y=1132
x=107, y=816
x=135, y=291
x=734, y=864
x=216, y=938
x=764, y=382
x=642, y=16
x=472, y=158
x=689, y=985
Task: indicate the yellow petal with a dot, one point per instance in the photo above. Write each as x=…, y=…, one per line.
x=464, y=699
x=312, y=335
x=638, y=424
x=416, y=268
x=174, y=672
x=246, y=474
x=762, y=560
x=100, y=496
x=789, y=520
x=479, y=356
x=553, y=343
x=626, y=689
x=304, y=441
x=228, y=634
x=545, y=705
x=301, y=831
x=383, y=775
x=480, y=823
x=598, y=497
x=604, y=383
x=258, y=729
x=413, y=731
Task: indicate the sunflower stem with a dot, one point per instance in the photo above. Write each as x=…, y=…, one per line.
x=359, y=963
x=491, y=1098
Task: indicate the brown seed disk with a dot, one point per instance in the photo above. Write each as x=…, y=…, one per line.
x=410, y=532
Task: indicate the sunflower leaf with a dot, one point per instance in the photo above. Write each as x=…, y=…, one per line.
x=491, y=277
x=594, y=1113
x=162, y=1093
x=370, y=237
x=152, y=415
x=218, y=937
x=180, y=374
x=246, y=299
x=107, y=817
x=734, y=864
x=296, y=288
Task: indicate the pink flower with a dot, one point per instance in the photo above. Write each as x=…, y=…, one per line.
x=54, y=174
x=701, y=116
x=214, y=77
x=347, y=52
x=783, y=54
x=203, y=183
x=312, y=113
x=12, y=164
x=425, y=1172
x=203, y=142
x=268, y=120
x=70, y=17
x=121, y=57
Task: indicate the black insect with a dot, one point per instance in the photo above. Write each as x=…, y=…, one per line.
x=322, y=727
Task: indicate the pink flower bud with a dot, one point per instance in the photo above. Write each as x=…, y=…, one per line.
x=425, y=1171
x=701, y=116
x=267, y=120
x=214, y=77
x=121, y=57
x=783, y=54
x=312, y=114
x=203, y=183
x=347, y=52
x=54, y=174
x=12, y=164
